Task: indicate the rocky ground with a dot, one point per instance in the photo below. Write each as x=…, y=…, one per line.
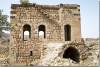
x=4, y=49
x=92, y=52
x=51, y=53
x=89, y=57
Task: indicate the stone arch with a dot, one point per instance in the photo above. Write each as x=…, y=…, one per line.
x=42, y=30
x=67, y=32
x=72, y=53
x=26, y=32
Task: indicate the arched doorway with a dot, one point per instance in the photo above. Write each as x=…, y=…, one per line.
x=67, y=32
x=72, y=53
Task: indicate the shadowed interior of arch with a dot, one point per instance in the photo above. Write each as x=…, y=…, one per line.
x=72, y=53
x=26, y=32
x=41, y=31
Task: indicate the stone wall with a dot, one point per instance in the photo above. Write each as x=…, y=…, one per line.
x=53, y=17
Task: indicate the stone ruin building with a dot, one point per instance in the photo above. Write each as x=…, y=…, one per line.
x=57, y=23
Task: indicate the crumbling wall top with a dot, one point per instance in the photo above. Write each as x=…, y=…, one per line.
x=70, y=6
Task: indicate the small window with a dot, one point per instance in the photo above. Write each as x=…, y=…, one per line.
x=31, y=53
x=26, y=32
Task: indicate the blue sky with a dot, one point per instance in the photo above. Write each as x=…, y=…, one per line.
x=89, y=13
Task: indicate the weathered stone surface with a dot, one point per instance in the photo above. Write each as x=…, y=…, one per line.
x=53, y=18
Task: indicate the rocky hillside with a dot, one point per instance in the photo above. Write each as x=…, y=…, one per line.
x=92, y=53
x=4, y=49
